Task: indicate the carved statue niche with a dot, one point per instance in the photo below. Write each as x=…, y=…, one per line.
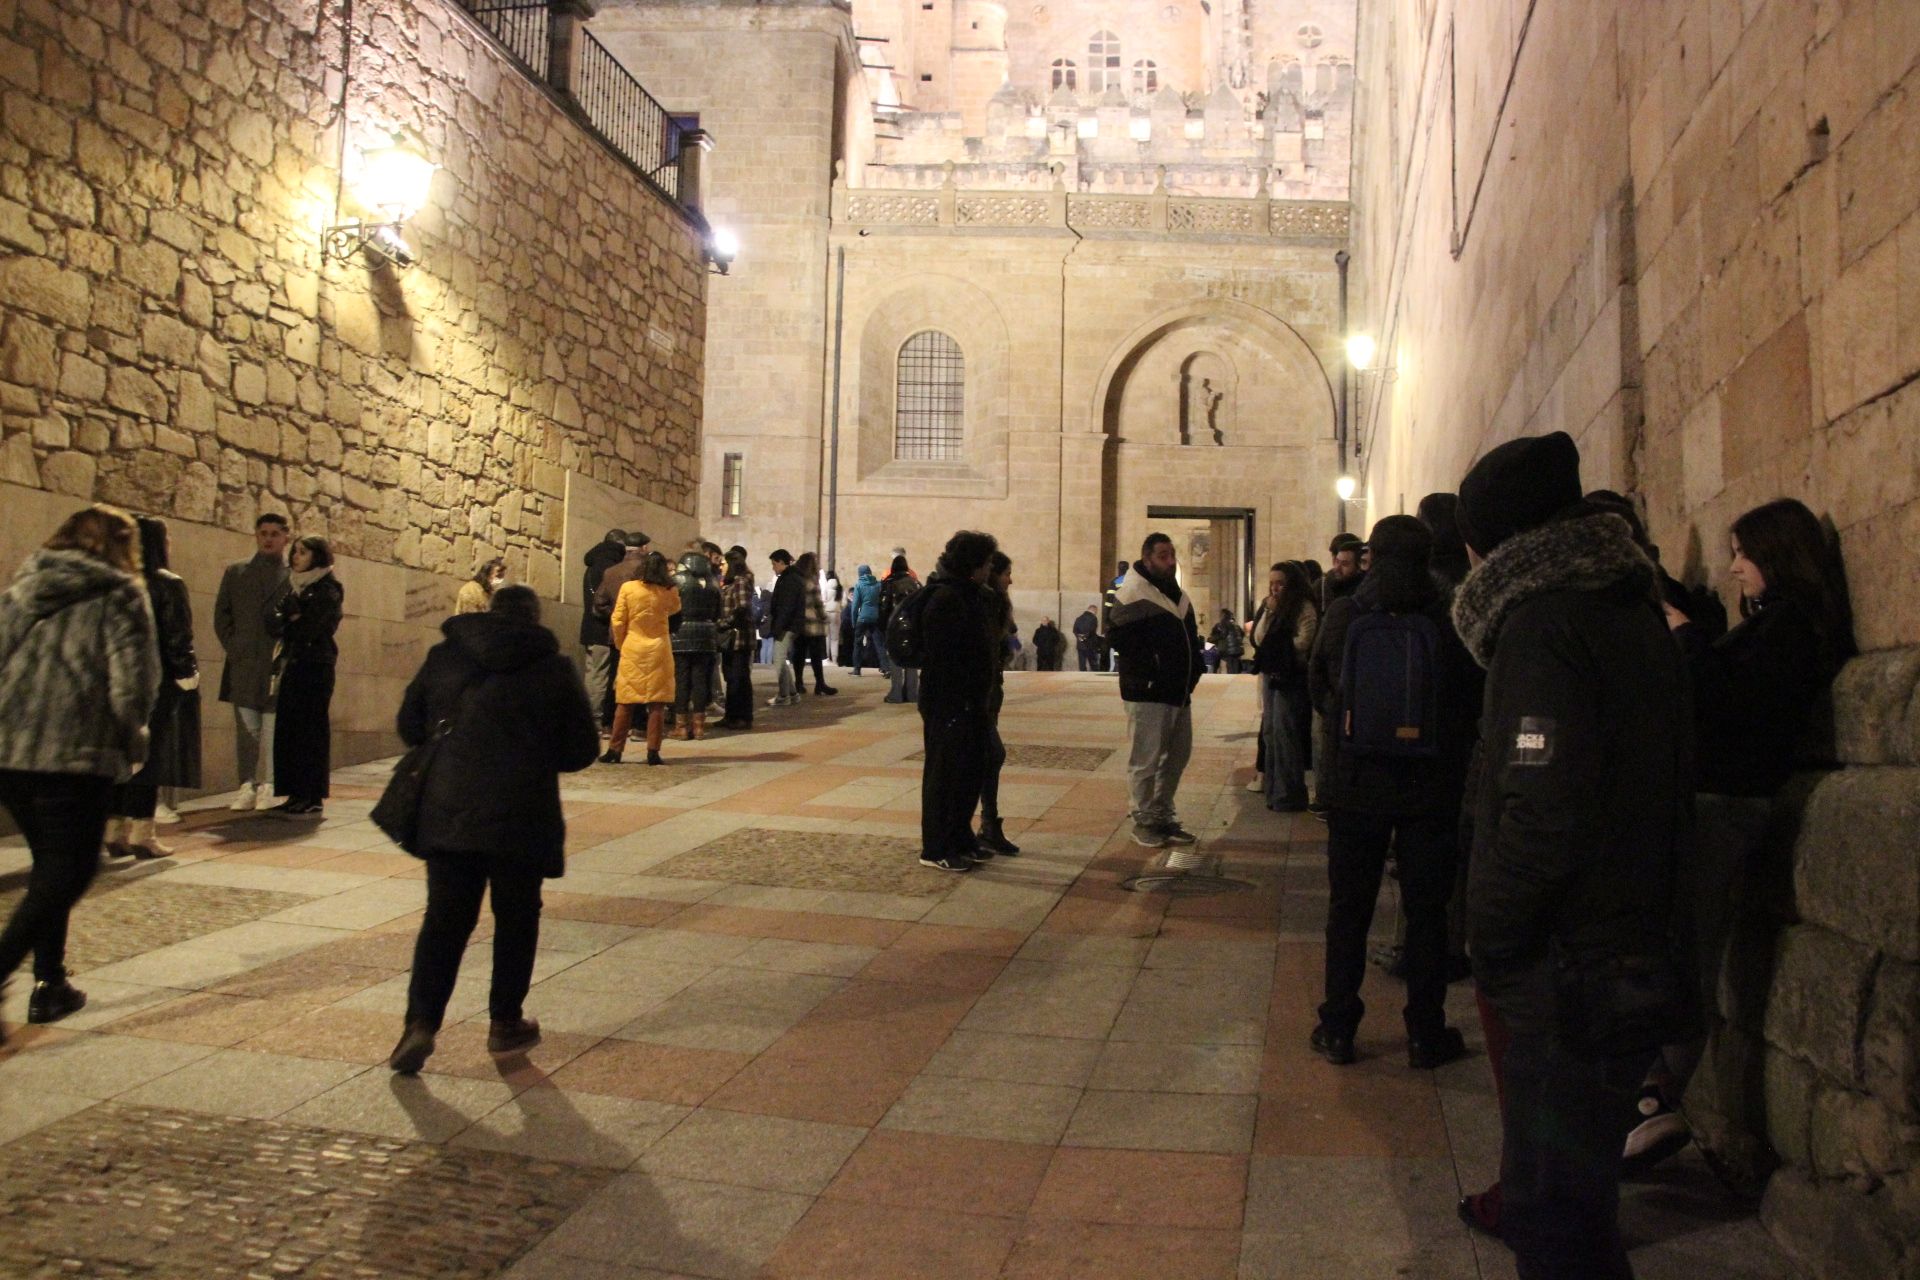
x=1205, y=409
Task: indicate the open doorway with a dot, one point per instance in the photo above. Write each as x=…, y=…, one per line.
x=1215, y=549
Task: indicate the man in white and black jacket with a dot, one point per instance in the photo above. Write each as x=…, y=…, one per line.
x=1151, y=628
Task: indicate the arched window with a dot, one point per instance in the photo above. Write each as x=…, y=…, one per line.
x=1146, y=76
x=1103, y=62
x=929, y=399
x=1063, y=74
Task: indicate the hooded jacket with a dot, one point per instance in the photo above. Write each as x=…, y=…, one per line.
x=599, y=559
x=1580, y=813
x=495, y=785
x=79, y=667
x=1151, y=628
x=865, y=604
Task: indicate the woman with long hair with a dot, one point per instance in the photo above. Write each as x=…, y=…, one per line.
x=992, y=838
x=304, y=622
x=173, y=749
x=1754, y=694
x=812, y=646
x=78, y=672
x=641, y=633
x=488, y=577
x=1283, y=628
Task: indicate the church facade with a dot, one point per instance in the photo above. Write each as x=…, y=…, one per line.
x=1001, y=270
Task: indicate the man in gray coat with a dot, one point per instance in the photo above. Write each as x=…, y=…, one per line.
x=249, y=590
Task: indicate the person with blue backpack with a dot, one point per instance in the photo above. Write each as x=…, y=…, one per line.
x=1401, y=695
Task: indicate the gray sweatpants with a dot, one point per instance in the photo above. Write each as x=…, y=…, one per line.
x=1162, y=744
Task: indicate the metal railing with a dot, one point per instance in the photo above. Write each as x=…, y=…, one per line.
x=627, y=115
x=520, y=25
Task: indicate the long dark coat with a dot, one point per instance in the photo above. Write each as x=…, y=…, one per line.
x=173, y=748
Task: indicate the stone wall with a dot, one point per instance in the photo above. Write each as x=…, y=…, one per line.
x=173, y=340
x=1683, y=231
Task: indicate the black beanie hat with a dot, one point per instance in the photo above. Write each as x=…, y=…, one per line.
x=1518, y=486
x=1401, y=538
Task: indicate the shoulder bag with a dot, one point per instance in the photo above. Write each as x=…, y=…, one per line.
x=398, y=811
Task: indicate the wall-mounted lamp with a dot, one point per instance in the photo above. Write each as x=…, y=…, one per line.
x=722, y=248
x=392, y=183
x=1361, y=350
x=1345, y=487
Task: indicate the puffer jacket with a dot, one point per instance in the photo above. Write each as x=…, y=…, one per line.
x=1583, y=794
x=865, y=604
x=518, y=718
x=1152, y=630
x=696, y=628
x=79, y=667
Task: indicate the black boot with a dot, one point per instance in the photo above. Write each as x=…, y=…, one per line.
x=993, y=836
x=52, y=1001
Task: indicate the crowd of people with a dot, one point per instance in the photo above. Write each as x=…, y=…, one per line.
x=1565, y=756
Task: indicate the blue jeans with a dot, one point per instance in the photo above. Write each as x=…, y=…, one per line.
x=869, y=633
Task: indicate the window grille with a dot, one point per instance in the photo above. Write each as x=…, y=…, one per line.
x=929, y=399
x=1103, y=62
x=1146, y=76
x=1064, y=74
x=732, y=469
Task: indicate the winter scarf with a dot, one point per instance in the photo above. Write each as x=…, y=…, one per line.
x=1585, y=553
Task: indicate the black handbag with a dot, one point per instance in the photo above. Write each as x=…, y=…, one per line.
x=398, y=812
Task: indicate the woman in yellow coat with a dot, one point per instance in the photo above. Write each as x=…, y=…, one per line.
x=645, y=677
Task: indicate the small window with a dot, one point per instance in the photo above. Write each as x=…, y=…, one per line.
x=1146, y=76
x=732, y=473
x=1064, y=76
x=929, y=402
x=926, y=77
x=1103, y=62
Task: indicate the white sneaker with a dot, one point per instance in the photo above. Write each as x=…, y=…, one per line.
x=244, y=798
x=166, y=815
x=1258, y=785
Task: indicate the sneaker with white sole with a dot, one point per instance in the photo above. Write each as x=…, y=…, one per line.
x=1148, y=835
x=166, y=815
x=948, y=862
x=1177, y=834
x=244, y=798
x=1258, y=786
x=1661, y=1133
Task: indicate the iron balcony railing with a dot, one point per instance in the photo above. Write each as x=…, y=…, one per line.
x=520, y=26
x=599, y=90
x=627, y=115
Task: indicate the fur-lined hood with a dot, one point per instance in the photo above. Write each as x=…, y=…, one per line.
x=1585, y=553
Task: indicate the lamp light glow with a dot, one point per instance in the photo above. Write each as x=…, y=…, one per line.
x=395, y=180
x=1346, y=487
x=1360, y=351
x=723, y=246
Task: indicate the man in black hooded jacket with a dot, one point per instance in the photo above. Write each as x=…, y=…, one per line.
x=1579, y=816
x=957, y=675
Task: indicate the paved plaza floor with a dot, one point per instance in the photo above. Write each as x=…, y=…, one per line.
x=775, y=1045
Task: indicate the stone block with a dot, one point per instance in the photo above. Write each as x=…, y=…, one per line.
x=28, y=355
x=16, y=460
x=1856, y=864
x=71, y=473
x=1891, y=1044
x=136, y=392
x=1818, y=1002
x=1871, y=711
x=44, y=288
x=1834, y=1231
x=81, y=378
x=1787, y=1091
x=249, y=384
x=1854, y=1135
x=168, y=340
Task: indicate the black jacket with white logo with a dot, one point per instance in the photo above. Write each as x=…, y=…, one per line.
x=1581, y=812
x=1152, y=630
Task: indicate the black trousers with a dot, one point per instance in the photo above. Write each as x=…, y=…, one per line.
x=809, y=649
x=990, y=779
x=455, y=883
x=303, y=732
x=692, y=682
x=950, y=782
x=1564, y=1121
x=1357, y=845
x=739, y=664
x=63, y=816
x=134, y=800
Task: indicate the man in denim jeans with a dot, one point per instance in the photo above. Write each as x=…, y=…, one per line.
x=784, y=618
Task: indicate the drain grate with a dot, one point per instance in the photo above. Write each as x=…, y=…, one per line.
x=1186, y=871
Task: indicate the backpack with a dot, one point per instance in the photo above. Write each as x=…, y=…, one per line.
x=906, y=641
x=892, y=592
x=1389, y=687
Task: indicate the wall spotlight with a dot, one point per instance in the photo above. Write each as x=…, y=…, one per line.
x=722, y=248
x=1346, y=487
x=1360, y=351
x=392, y=183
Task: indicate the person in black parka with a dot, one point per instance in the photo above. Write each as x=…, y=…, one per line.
x=516, y=717
x=304, y=621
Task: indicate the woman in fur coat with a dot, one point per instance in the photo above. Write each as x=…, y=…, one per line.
x=304, y=622
x=78, y=670
x=173, y=751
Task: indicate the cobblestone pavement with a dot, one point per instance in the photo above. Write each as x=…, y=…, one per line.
x=772, y=1048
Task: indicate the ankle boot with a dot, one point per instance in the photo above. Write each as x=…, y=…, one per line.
x=699, y=729
x=54, y=999
x=415, y=1047
x=994, y=837
x=114, y=842
x=143, y=844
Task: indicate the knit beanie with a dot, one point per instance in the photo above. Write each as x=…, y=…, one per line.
x=1518, y=486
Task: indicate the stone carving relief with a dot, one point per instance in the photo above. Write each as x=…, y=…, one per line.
x=911, y=210
x=1234, y=216
x=1001, y=211
x=1106, y=212
x=1204, y=412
